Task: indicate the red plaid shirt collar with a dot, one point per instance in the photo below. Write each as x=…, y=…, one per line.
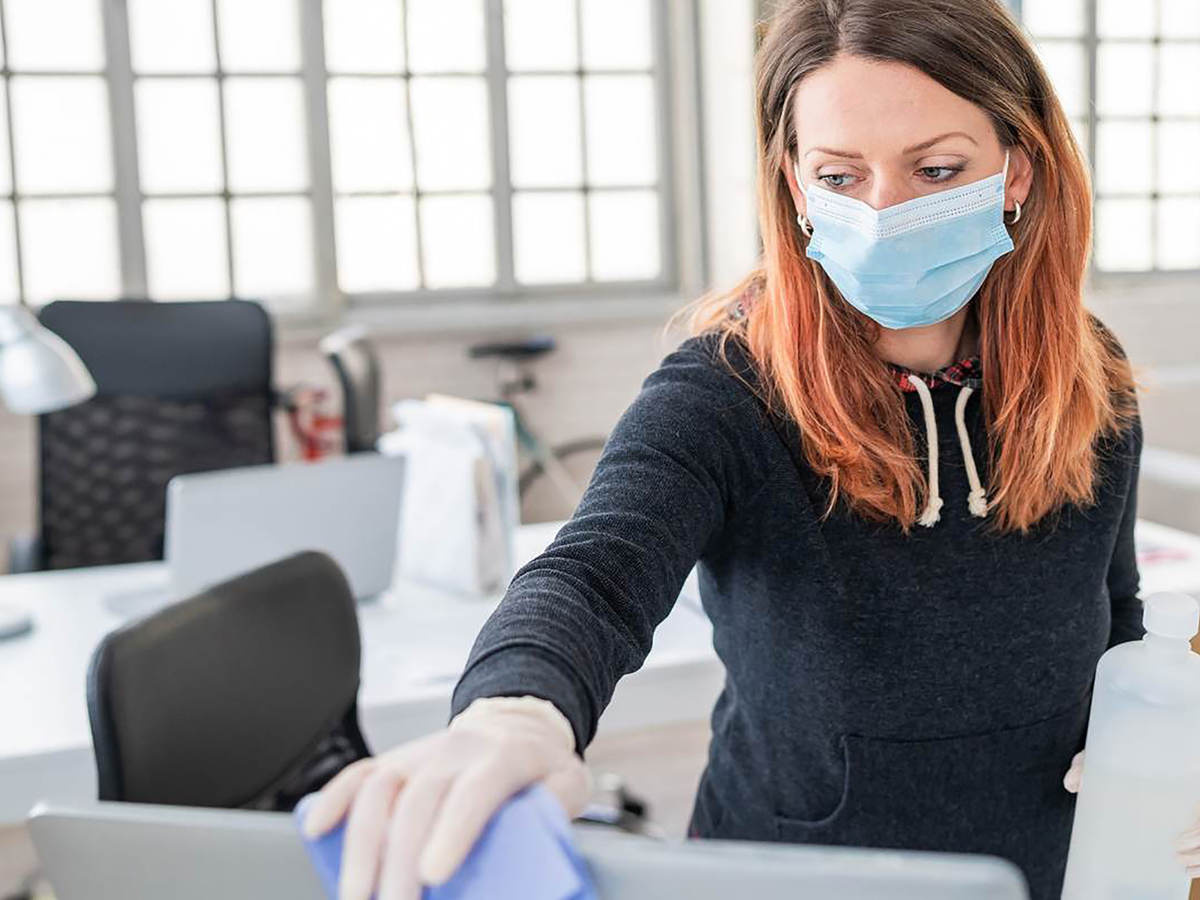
x=963, y=373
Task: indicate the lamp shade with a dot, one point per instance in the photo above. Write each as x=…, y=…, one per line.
x=39, y=372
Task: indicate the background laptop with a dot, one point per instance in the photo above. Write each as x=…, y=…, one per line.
x=222, y=523
x=125, y=850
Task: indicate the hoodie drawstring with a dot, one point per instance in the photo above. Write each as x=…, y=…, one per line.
x=977, y=499
x=933, y=507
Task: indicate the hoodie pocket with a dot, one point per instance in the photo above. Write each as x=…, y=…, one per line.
x=998, y=792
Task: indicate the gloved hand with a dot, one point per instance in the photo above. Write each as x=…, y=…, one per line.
x=1187, y=845
x=416, y=811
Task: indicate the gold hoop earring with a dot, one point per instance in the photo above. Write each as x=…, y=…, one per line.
x=805, y=225
x=1017, y=216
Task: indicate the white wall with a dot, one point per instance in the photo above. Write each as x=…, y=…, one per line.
x=1158, y=321
x=729, y=138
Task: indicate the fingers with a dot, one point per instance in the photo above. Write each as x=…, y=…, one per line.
x=475, y=795
x=1190, y=857
x=411, y=819
x=1187, y=847
x=415, y=813
x=473, y=799
x=334, y=799
x=365, y=830
x=1190, y=862
x=572, y=785
x=1075, y=773
x=1071, y=780
x=1187, y=850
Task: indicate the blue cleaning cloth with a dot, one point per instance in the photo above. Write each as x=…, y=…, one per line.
x=525, y=851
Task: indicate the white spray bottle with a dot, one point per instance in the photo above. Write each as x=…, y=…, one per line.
x=1141, y=774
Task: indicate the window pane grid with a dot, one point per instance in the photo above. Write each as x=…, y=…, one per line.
x=451, y=192
x=17, y=291
x=57, y=124
x=581, y=181
x=226, y=199
x=259, y=177
x=1142, y=126
x=1161, y=39
x=515, y=215
x=215, y=73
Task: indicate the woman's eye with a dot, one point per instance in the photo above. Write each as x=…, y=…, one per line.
x=840, y=184
x=931, y=172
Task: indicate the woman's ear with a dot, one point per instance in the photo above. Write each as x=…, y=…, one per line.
x=1020, y=178
x=789, y=171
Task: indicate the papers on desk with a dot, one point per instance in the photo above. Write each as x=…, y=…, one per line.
x=460, y=506
x=1152, y=553
x=526, y=852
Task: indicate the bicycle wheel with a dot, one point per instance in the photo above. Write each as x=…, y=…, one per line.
x=546, y=498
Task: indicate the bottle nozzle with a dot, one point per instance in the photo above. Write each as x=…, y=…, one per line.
x=1171, y=615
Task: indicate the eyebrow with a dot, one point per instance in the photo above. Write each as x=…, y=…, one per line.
x=913, y=149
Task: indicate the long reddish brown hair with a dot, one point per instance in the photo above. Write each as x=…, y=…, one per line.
x=1054, y=380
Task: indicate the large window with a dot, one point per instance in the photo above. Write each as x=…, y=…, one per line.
x=58, y=222
x=1129, y=75
x=304, y=153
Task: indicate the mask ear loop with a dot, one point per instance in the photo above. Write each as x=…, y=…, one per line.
x=801, y=219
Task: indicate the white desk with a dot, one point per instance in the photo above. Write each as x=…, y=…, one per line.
x=415, y=642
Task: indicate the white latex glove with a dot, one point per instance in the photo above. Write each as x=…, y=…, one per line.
x=416, y=811
x=1187, y=846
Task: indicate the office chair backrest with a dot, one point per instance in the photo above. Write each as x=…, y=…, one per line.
x=357, y=366
x=243, y=696
x=181, y=387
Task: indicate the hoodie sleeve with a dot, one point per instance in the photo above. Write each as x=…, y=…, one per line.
x=582, y=613
x=1123, y=576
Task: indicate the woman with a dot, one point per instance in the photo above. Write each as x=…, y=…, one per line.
x=904, y=456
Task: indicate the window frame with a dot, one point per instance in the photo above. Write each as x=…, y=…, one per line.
x=14, y=196
x=496, y=74
x=328, y=302
x=1090, y=42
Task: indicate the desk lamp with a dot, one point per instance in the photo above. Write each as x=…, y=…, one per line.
x=39, y=373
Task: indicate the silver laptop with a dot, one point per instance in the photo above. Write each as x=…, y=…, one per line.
x=124, y=850
x=223, y=523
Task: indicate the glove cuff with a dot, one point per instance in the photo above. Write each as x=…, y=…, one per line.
x=526, y=704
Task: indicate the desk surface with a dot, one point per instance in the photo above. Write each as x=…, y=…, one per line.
x=415, y=642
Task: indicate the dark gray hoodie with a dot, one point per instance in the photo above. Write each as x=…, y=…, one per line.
x=923, y=691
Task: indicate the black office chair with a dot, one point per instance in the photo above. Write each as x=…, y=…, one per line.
x=356, y=364
x=181, y=387
x=243, y=696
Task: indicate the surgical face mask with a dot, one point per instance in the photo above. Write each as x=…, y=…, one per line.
x=913, y=263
